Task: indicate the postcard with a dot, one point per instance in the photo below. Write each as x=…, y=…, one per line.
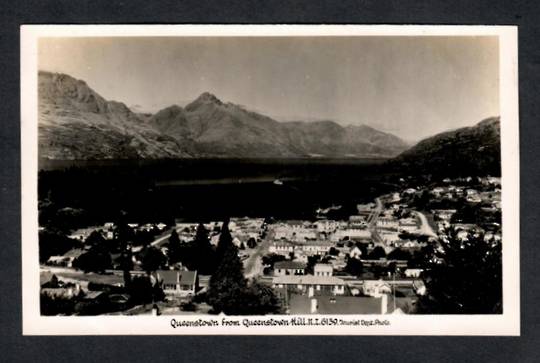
x=270, y=180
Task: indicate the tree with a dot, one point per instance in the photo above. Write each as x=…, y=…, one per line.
x=465, y=277
x=54, y=244
x=363, y=248
x=174, y=248
x=377, y=253
x=399, y=254
x=252, y=243
x=204, y=255
x=97, y=259
x=142, y=291
x=55, y=305
x=269, y=260
x=354, y=266
x=333, y=251
x=259, y=299
x=95, y=239
x=126, y=264
x=225, y=241
x=123, y=234
x=311, y=261
x=152, y=259
x=227, y=285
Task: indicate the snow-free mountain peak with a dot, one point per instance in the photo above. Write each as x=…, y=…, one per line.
x=77, y=123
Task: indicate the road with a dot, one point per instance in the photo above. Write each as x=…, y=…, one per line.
x=374, y=216
x=372, y=223
x=156, y=242
x=425, y=227
x=253, y=264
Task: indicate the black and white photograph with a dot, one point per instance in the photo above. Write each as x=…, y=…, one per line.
x=270, y=180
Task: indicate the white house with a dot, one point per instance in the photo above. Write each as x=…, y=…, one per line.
x=302, y=284
x=323, y=269
x=178, y=283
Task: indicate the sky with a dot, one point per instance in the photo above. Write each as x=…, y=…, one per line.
x=413, y=87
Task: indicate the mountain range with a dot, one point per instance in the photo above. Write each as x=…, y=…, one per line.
x=75, y=122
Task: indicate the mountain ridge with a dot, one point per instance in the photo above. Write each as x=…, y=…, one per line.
x=471, y=150
x=75, y=122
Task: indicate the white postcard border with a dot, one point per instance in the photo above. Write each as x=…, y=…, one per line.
x=507, y=323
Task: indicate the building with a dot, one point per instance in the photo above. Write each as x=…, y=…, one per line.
x=408, y=225
x=437, y=191
x=323, y=269
x=302, y=284
x=336, y=305
x=311, y=248
x=326, y=225
x=376, y=288
x=444, y=214
x=387, y=222
x=281, y=248
x=409, y=191
x=409, y=244
x=67, y=259
x=355, y=252
x=413, y=272
x=351, y=233
x=178, y=283
x=389, y=237
x=282, y=268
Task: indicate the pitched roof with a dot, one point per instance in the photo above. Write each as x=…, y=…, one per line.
x=44, y=277
x=289, y=265
x=177, y=277
x=76, y=252
x=91, y=295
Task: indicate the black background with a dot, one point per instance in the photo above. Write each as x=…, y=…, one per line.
x=15, y=347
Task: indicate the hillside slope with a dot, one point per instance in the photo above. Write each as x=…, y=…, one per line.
x=472, y=150
x=77, y=123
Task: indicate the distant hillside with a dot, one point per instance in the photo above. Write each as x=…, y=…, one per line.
x=77, y=123
x=472, y=150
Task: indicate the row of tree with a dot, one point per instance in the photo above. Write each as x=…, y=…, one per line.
x=229, y=291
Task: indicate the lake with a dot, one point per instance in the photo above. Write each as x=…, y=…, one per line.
x=204, y=189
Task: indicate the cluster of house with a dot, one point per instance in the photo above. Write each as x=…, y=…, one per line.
x=242, y=230
x=324, y=293
x=175, y=283
x=107, y=230
x=486, y=195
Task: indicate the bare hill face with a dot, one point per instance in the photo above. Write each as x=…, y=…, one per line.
x=77, y=123
x=467, y=151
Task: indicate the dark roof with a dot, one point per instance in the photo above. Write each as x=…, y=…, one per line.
x=289, y=265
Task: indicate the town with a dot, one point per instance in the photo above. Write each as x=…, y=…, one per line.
x=381, y=260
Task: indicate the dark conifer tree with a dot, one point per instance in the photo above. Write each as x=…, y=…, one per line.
x=227, y=285
x=225, y=242
x=175, y=247
x=464, y=277
x=203, y=254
